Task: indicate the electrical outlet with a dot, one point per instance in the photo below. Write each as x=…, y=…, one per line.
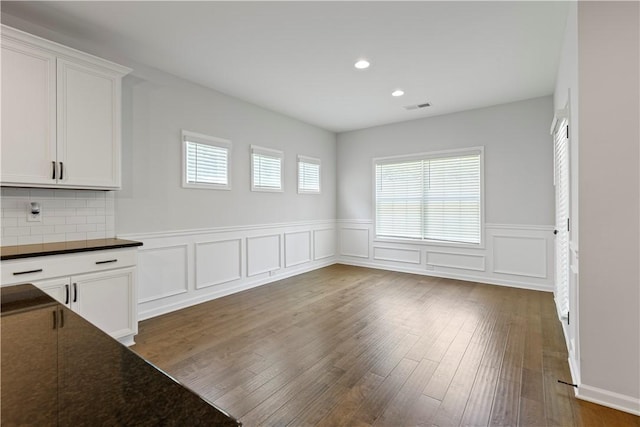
x=34, y=217
x=34, y=212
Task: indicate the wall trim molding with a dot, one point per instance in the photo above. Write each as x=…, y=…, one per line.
x=264, y=270
x=197, y=246
x=608, y=398
x=379, y=258
x=258, y=255
x=464, y=277
x=200, y=298
x=520, y=227
x=484, y=260
x=486, y=225
x=315, y=239
x=186, y=273
x=354, y=221
x=290, y=233
x=520, y=273
x=213, y=230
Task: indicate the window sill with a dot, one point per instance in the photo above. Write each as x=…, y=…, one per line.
x=207, y=186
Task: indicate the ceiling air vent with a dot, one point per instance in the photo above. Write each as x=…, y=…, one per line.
x=417, y=106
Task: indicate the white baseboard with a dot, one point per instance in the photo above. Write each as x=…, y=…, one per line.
x=457, y=276
x=613, y=400
x=168, y=308
x=178, y=269
x=515, y=255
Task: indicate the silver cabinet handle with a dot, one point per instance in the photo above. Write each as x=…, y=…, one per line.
x=61, y=170
x=53, y=167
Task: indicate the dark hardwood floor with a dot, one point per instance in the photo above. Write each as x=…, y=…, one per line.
x=350, y=346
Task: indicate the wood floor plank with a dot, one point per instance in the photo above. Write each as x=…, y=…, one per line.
x=398, y=410
x=353, y=346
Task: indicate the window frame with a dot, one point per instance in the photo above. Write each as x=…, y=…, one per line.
x=309, y=160
x=426, y=156
x=267, y=152
x=202, y=139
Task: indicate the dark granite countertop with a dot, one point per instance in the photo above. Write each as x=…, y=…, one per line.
x=57, y=248
x=58, y=369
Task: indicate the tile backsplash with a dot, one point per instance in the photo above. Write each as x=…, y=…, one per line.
x=66, y=215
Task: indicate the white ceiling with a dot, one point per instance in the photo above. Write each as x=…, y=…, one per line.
x=297, y=57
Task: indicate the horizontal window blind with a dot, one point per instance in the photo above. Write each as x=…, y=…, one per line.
x=435, y=198
x=206, y=161
x=266, y=169
x=308, y=175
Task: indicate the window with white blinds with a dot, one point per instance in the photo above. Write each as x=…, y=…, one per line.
x=561, y=182
x=266, y=169
x=206, y=161
x=308, y=175
x=430, y=197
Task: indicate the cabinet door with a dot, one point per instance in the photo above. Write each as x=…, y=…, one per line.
x=59, y=289
x=107, y=299
x=89, y=368
x=29, y=357
x=88, y=126
x=28, y=115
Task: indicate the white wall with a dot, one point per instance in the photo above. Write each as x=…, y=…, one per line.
x=518, y=158
x=517, y=247
x=608, y=55
x=157, y=106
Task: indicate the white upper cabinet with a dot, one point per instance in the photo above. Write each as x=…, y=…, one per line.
x=28, y=114
x=61, y=112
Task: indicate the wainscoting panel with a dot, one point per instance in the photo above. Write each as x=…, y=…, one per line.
x=297, y=248
x=354, y=242
x=512, y=255
x=178, y=269
x=218, y=262
x=162, y=272
x=263, y=254
x=520, y=256
x=408, y=256
x=324, y=243
x=456, y=260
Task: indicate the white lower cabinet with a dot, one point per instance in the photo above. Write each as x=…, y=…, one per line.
x=100, y=286
x=106, y=299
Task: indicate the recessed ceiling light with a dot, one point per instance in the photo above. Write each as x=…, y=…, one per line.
x=397, y=92
x=362, y=64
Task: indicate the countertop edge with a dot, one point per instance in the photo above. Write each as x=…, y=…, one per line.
x=70, y=250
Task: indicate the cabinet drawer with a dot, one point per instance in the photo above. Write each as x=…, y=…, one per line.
x=38, y=268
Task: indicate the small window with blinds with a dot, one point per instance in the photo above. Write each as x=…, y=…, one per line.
x=206, y=161
x=308, y=175
x=266, y=169
x=433, y=197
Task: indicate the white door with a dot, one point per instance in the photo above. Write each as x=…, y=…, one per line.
x=88, y=123
x=107, y=299
x=28, y=115
x=561, y=181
